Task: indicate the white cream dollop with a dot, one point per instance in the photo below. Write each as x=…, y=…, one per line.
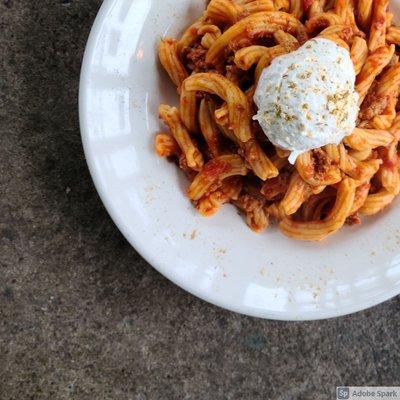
x=306, y=99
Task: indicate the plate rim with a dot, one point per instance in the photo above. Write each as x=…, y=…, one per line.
x=100, y=20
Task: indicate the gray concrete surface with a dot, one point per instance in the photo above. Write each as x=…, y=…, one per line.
x=82, y=316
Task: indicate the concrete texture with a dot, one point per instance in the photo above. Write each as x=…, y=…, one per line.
x=82, y=316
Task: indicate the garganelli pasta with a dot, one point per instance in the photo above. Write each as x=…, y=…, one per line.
x=212, y=136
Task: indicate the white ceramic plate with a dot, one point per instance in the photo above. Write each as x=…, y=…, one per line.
x=218, y=259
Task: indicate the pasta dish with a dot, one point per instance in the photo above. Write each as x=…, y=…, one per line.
x=288, y=110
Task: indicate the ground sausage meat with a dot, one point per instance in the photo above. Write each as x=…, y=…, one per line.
x=353, y=219
x=321, y=161
x=373, y=105
x=196, y=57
